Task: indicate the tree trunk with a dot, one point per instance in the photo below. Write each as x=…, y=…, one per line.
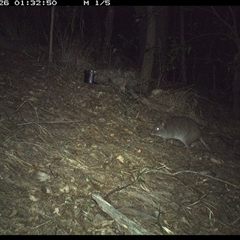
x=236, y=86
x=183, y=50
x=141, y=12
x=159, y=66
x=96, y=28
x=108, y=35
x=148, y=59
x=51, y=35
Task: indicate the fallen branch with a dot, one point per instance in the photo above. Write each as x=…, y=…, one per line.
x=132, y=227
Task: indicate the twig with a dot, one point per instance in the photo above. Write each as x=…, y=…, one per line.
x=119, y=189
x=41, y=224
x=217, y=179
x=16, y=158
x=58, y=122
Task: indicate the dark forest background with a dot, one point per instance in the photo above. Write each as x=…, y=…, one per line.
x=169, y=46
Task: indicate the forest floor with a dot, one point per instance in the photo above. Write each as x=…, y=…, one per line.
x=65, y=143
